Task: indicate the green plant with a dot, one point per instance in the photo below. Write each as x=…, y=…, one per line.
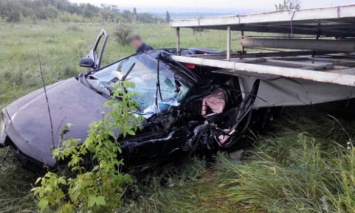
x=95, y=182
x=122, y=34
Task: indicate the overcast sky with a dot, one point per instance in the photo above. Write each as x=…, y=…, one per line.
x=210, y=5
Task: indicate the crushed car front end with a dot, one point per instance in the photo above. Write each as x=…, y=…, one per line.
x=26, y=127
x=10, y=137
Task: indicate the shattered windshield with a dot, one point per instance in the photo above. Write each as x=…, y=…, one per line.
x=142, y=71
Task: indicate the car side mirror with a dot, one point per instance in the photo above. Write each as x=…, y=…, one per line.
x=87, y=62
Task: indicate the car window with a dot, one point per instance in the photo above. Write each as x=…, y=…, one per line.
x=144, y=76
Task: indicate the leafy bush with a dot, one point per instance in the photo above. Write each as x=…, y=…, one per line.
x=98, y=185
x=122, y=34
x=73, y=28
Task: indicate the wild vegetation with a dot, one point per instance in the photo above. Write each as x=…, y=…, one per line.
x=94, y=181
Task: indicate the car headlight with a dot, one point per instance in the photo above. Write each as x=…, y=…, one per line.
x=2, y=130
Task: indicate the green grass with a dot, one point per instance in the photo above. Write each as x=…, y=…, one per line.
x=60, y=47
x=15, y=186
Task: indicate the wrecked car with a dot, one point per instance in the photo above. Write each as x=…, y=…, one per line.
x=196, y=100
x=193, y=110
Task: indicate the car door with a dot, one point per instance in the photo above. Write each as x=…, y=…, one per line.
x=93, y=60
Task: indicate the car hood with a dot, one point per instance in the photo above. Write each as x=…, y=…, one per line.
x=70, y=102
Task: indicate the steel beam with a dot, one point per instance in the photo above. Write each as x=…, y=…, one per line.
x=286, y=16
x=308, y=22
x=178, y=41
x=265, y=54
x=301, y=44
x=318, y=76
x=286, y=29
x=303, y=64
x=229, y=43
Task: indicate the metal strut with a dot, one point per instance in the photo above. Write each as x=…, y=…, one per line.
x=158, y=91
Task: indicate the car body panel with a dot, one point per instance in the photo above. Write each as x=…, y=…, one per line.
x=69, y=102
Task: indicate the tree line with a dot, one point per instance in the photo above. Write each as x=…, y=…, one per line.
x=66, y=11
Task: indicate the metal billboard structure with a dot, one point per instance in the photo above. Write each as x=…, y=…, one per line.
x=314, y=44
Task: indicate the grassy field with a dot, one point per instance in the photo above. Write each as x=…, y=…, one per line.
x=60, y=47
x=301, y=163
